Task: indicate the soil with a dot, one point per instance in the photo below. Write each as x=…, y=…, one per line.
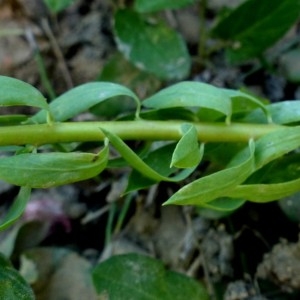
x=253, y=253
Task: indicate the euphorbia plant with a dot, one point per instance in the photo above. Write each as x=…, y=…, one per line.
x=245, y=141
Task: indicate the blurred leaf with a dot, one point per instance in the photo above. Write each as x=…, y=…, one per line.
x=16, y=92
x=154, y=48
x=187, y=153
x=56, y=6
x=119, y=70
x=43, y=170
x=17, y=208
x=145, y=6
x=13, y=286
x=193, y=94
x=82, y=98
x=251, y=36
x=291, y=207
x=217, y=184
x=138, y=163
x=289, y=63
x=134, y=276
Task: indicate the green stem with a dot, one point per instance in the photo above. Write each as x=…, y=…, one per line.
x=39, y=134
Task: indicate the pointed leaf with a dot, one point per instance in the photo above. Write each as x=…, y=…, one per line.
x=215, y=185
x=187, y=153
x=133, y=276
x=265, y=192
x=155, y=48
x=17, y=208
x=81, y=98
x=45, y=170
x=276, y=180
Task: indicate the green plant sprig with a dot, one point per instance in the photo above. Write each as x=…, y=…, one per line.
x=197, y=121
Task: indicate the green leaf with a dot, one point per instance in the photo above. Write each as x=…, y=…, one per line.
x=225, y=204
x=173, y=113
x=83, y=97
x=217, y=184
x=285, y=112
x=154, y=48
x=193, y=94
x=55, y=6
x=251, y=36
x=291, y=207
x=268, y=148
x=220, y=208
x=276, y=144
x=146, y=6
x=133, y=276
x=138, y=163
x=242, y=101
x=13, y=286
x=44, y=170
x=159, y=160
x=265, y=192
x=16, y=92
x=290, y=66
x=187, y=153
x=17, y=208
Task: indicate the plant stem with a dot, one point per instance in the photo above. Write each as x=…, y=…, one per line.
x=39, y=134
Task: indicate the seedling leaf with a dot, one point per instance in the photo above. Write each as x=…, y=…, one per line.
x=187, y=153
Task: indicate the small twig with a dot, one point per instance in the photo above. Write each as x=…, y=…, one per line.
x=40, y=63
x=95, y=215
x=58, y=53
x=11, y=32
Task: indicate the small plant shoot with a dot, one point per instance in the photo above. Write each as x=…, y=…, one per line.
x=267, y=137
